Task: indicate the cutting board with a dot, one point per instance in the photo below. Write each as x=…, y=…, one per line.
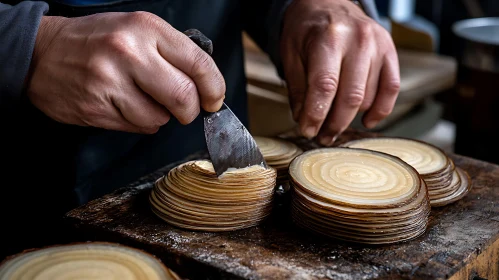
x=462, y=238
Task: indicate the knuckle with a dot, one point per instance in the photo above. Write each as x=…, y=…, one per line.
x=315, y=116
x=385, y=111
x=366, y=104
x=316, y=25
x=216, y=91
x=123, y=45
x=183, y=92
x=94, y=65
x=141, y=17
x=202, y=64
x=392, y=87
x=355, y=97
x=100, y=74
x=326, y=84
x=115, y=40
x=364, y=32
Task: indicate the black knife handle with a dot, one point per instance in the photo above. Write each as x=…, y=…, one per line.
x=205, y=44
x=200, y=39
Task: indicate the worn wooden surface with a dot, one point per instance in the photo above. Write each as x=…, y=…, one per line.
x=454, y=241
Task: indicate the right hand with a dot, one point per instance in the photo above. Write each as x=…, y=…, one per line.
x=121, y=71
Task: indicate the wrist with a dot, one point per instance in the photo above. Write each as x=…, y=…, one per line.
x=48, y=29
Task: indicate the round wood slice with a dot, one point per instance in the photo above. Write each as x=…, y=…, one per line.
x=192, y=196
x=426, y=158
x=437, y=170
x=355, y=177
x=371, y=214
x=278, y=153
x=358, y=195
x=449, y=190
x=93, y=260
x=461, y=192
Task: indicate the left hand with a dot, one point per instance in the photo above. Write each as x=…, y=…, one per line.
x=337, y=62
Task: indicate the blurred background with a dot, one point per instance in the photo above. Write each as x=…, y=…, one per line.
x=449, y=63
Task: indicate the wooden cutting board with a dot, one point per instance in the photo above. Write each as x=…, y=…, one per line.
x=462, y=239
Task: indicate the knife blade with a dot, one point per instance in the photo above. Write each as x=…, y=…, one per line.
x=230, y=144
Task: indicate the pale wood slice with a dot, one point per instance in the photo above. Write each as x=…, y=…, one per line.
x=93, y=260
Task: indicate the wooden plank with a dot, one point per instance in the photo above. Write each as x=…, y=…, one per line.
x=457, y=235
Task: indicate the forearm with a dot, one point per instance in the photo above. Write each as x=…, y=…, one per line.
x=18, y=30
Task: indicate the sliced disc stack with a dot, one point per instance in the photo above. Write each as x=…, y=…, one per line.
x=446, y=183
x=278, y=153
x=191, y=196
x=93, y=260
x=358, y=195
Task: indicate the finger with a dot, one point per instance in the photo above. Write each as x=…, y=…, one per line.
x=323, y=69
x=372, y=86
x=296, y=82
x=141, y=110
x=185, y=55
x=114, y=120
x=353, y=80
x=168, y=86
x=389, y=87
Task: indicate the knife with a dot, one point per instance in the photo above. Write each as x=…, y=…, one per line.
x=230, y=144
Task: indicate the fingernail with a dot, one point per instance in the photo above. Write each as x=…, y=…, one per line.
x=326, y=140
x=371, y=124
x=309, y=132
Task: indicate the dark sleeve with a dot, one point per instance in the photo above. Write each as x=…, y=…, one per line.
x=18, y=29
x=262, y=20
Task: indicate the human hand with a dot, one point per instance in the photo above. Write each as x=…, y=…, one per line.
x=337, y=62
x=121, y=71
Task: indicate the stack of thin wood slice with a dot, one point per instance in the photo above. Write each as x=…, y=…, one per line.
x=278, y=153
x=358, y=195
x=191, y=196
x=446, y=183
x=85, y=261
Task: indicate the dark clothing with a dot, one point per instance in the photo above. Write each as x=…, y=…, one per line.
x=53, y=167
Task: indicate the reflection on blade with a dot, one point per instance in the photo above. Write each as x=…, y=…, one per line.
x=229, y=143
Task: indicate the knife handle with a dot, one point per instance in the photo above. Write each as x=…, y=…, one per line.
x=206, y=45
x=200, y=39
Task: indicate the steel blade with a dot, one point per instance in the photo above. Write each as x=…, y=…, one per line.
x=229, y=143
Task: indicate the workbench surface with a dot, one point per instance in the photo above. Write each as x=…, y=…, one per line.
x=461, y=238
